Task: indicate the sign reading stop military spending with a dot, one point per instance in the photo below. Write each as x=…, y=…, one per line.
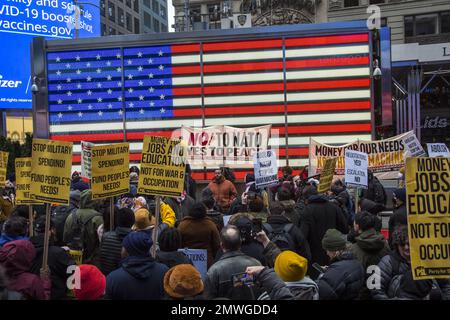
x=428, y=204
x=162, y=167
x=50, y=171
x=110, y=170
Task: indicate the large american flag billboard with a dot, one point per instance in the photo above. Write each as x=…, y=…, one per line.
x=308, y=86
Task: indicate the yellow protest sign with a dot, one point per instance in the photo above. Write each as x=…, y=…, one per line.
x=23, y=181
x=326, y=176
x=162, y=167
x=428, y=204
x=110, y=170
x=51, y=164
x=3, y=167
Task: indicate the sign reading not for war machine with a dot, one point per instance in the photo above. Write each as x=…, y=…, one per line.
x=50, y=171
x=162, y=167
x=356, y=164
x=266, y=169
x=3, y=167
x=428, y=206
x=110, y=170
x=326, y=176
x=437, y=150
x=23, y=181
x=199, y=258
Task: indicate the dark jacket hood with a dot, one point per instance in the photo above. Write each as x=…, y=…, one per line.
x=277, y=219
x=318, y=198
x=371, y=206
x=86, y=201
x=370, y=240
x=122, y=232
x=75, y=197
x=17, y=256
x=38, y=242
x=139, y=267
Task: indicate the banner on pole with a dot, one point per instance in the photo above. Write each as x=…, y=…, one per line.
x=3, y=167
x=266, y=168
x=162, y=167
x=326, y=176
x=428, y=207
x=356, y=164
x=51, y=164
x=23, y=182
x=86, y=159
x=437, y=150
x=110, y=170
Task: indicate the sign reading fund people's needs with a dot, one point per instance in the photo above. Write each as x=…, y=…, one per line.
x=50, y=171
x=162, y=167
x=428, y=200
x=110, y=170
x=23, y=180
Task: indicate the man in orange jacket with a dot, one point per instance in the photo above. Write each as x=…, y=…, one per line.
x=223, y=190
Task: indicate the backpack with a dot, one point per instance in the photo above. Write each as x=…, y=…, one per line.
x=282, y=238
x=79, y=231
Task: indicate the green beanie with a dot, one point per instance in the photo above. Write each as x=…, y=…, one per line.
x=333, y=240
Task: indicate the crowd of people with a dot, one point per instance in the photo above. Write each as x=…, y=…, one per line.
x=286, y=242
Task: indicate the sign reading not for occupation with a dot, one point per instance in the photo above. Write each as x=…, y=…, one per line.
x=356, y=164
x=326, y=176
x=428, y=204
x=23, y=181
x=162, y=167
x=110, y=170
x=266, y=169
x=3, y=167
x=50, y=171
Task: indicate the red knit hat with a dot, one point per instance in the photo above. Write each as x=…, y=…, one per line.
x=92, y=283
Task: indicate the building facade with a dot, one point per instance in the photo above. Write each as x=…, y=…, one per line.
x=133, y=16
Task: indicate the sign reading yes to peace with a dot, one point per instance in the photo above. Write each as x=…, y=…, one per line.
x=110, y=170
x=51, y=164
x=162, y=167
x=23, y=181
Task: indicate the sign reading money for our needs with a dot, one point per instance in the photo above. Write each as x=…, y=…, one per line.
x=428, y=207
x=162, y=167
x=266, y=169
x=110, y=170
x=3, y=167
x=326, y=176
x=23, y=181
x=356, y=164
x=437, y=150
x=86, y=159
x=50, y=171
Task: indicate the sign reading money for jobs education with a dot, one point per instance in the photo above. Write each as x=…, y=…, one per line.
x=326, y=176
x=110, y=170
x=437, y=150
x=356, y=164
x=162, y=167
x=428, y=207
x=3, y=167
x=266, y=169
x=23, y=181
x=51, y=164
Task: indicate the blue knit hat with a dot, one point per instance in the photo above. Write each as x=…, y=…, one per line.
x=138, y=243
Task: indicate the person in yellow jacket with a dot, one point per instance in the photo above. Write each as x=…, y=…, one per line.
x=141, y=213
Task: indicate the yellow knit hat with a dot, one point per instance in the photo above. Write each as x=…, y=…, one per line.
x=290, y=266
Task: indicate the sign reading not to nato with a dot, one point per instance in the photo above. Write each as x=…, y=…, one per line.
x=20, y=21
x=356, y=164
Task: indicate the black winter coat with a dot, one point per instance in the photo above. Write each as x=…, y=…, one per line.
x=319, y=216
x=375, y=191
x=343, y=279
x=398, y=218
x=172, y=258
x=111, y=248
x=252, y=249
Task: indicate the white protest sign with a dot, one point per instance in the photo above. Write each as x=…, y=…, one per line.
x=437, y=150
x=356, y=164
x=226, y=219
x=86, y=159
x=266, y=169
x=414, y=147
x=199, y=258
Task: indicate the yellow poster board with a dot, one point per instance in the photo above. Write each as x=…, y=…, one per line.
x=162, y=167
x=326, y=176
x=23, y=181
x=428, y=205
x=3, y=167
x=50, y=171
x=110, y=170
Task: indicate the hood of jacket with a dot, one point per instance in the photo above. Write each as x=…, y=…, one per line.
x=86, y=201
x=318, y=198
x=122, y=232
x=306, y=282
x=370, y=240
x=4, y=239
x=17, y=256
x=75, y=197
x=277, y=219
x=139, y=267
x=38, y=242
x=371, y=206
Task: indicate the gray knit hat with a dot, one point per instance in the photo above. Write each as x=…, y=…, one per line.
x=333, y=240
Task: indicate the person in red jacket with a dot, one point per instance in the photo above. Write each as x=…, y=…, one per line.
x=17, y=258
x=223, y=190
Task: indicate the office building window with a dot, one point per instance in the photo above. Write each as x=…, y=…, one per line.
x=445, y=22
x=128, y=2
x=111, y=31
x=156, y=25
x=148, y=4
x=377, y=1
x=351, y=3
x=103, y=29
x=136, y=26
x=409, y=26
x=121, y=15
x=425, y=24
x=163, y=27
x=102, y=7
x=136, y=6
x=162, y=12
x=129, y=22
x=155, y=6
x=111, y=11
x=147, y=20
